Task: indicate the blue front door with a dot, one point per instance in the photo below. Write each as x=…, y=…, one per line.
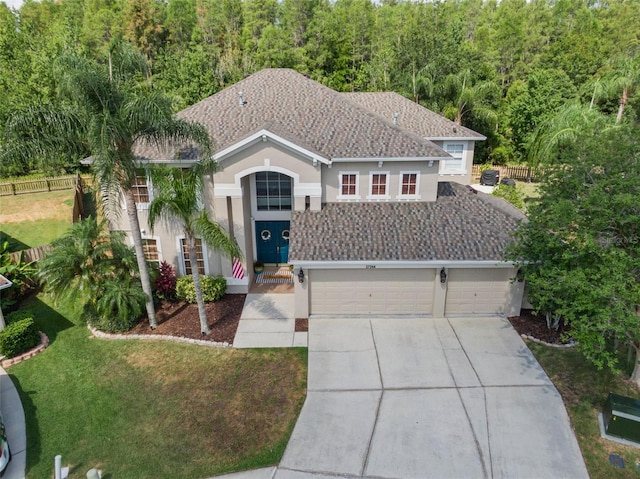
x=272, y=241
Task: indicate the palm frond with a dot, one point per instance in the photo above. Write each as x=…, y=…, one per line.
x=125, y=299
x=573, y=119
x=215, y=235
x=42, y=131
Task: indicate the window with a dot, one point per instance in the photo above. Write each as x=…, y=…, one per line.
x=455, y=164
x=409, y=183
x=140, y=189
x=273, y=191
x=409, y=186
x=378, y=185
x=185, y=256
x=348, y=185
x=150, y=248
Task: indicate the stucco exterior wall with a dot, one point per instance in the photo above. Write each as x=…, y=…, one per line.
x=427, y=181
x=463, y=177
x=267, y=154
x=270, y=156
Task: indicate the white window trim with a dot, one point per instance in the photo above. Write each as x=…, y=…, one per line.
x=348, y=197
x=254, y=196
x=181, y=264
x=158, y=245
x=443, y=164
x=142, y=206
x=417, y=196
x=386, y=196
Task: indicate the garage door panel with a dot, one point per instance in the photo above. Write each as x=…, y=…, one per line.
x=477, y=291
x=369, y=291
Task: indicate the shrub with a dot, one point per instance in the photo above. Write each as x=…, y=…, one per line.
x=18, y=315
x=21, y=274
x=166, y=282
x=19, y=337
x=513, y=194
x=107, y=323
x=213, y=288
x=500, y=156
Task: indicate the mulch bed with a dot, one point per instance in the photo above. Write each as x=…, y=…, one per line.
x=536, y=326
x=181, y=319
x=302, y=325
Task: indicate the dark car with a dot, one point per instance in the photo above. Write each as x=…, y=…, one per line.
x=5, y=453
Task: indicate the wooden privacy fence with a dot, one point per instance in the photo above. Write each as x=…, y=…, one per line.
x=38, y=186
x=522, y=173
x=30, y=255
x=78, y=204
x=37, y=253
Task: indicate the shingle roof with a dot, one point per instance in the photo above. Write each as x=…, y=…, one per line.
x=411, y=115
x=304, y=112
x=460, y=225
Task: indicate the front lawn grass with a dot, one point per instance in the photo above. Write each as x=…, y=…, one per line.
x=35, y=219
x=153, y=409
x=584, y=390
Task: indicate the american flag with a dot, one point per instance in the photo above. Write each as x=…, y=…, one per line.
x=237, y=269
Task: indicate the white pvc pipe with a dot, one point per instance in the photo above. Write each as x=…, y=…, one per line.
x=58, y=467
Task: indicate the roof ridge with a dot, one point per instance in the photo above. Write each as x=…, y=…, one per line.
x=417, y=107
x=303, y=111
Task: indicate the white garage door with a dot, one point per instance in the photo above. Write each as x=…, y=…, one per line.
x=477, y=291
x=372, y=291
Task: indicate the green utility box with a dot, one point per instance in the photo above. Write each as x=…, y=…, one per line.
x=621, y=417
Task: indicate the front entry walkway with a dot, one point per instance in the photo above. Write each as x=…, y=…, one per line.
x=268, y=321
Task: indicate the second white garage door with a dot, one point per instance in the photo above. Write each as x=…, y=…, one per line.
x=477, y=291
x=372, y=291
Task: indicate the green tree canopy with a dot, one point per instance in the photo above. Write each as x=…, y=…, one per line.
x=105, y=110
x=580, y=249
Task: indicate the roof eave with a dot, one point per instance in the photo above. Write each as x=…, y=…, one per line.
x=454, y=138
x=265, y=135
x=402, y=264
x=390, y=159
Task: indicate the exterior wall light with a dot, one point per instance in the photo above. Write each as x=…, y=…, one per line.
x=443, y=276
x=301, y=276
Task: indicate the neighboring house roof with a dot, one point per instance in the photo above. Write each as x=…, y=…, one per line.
x=459, y=226
x=303, y=112
x=412, y=116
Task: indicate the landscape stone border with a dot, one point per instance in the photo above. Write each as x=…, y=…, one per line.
x=559, y=346
x=199, y=342
x=44, y=342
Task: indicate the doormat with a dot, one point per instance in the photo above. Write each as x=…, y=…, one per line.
x=275, y=276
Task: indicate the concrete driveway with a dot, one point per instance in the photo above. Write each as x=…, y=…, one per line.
x=436, y=398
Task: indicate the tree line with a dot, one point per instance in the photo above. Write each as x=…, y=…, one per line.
x=501, y=68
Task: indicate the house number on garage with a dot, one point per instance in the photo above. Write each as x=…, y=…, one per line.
x=370, y=266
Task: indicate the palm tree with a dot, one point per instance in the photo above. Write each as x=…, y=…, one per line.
x=104, y=113
x=565, y=127
x=93, y=267
x=467, y=98
x=623, y=78
x=180, y=197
